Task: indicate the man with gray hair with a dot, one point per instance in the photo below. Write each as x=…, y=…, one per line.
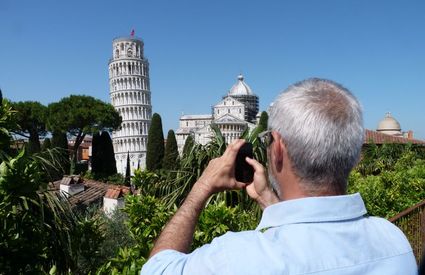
x=309, y=225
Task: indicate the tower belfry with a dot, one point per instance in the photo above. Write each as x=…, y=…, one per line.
x=130, y=95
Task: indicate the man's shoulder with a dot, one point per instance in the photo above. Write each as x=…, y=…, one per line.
x=388, y=232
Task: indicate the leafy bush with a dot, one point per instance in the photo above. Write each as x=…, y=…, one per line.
x=392, y=182
x=217, y=219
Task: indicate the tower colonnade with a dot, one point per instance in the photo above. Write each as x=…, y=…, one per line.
x=130, y=95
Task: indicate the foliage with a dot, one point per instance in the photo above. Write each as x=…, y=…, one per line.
x=116, y=233
x=155, y=146
x=40, y=232
x=127, y=171
x=146, y=218
x=188, y=144
x=31, y=121
x=148, y=215
x=7, y=122
x=116, y=179
x=393, y=182
x=218, y=219
x=103, y=162
x=79, y=115
x=171, y=157
x=29, y=212
x=378, y=158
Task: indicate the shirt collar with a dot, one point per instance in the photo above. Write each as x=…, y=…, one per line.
x=313, y=209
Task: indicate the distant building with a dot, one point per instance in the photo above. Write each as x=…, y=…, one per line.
x=130, y=95
x=390, y=126
x=389, y=131
x=237, y=111
x=84, y=150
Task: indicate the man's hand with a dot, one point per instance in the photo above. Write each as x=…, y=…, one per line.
x=220, y=172
x=259, y=189
x=218, y=176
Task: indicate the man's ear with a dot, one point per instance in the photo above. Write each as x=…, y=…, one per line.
x=277, y=147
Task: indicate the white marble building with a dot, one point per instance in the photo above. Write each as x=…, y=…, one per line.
x=237, y=111
x=130, y=95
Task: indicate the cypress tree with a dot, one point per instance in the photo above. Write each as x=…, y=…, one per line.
x=263, y=121
x=155, y=146
x=109, y=163
x=127, y=171
x=47, y=144
x=103, y=160
x=171, y=161
x=188, y=144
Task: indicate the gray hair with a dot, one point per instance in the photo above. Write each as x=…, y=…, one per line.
x=321, y=125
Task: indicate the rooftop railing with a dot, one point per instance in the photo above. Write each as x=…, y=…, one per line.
x=412, y=223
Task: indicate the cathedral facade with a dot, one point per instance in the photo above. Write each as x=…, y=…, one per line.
x=237, y=111
x=131, y=97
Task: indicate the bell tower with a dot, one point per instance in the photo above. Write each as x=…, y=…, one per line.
x=129, y=90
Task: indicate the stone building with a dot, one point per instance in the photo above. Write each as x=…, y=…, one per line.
x=130, y=95
x=390, y=126
x=237, y=111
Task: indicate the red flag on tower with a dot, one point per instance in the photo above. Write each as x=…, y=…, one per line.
x=132, y=32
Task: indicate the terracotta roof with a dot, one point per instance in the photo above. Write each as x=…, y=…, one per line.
x=380, y=138
x=68, y=180
x=116, y=192
x=93, y=192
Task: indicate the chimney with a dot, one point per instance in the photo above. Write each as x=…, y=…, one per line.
x=410, y=134
x=71, y=185
x=114, y=199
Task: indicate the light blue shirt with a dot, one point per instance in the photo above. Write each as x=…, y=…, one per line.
x=316, y=235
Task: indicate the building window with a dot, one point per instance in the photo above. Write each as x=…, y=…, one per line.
x=228, y=111
x=187, y=123
x=240, y=111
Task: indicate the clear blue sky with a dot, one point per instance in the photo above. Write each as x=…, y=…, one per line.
x=196, y=48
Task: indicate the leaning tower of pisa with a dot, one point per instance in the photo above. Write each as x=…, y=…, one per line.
x=131, y=97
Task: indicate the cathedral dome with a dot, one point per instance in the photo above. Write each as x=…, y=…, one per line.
x=240, y=88
x=389, y=125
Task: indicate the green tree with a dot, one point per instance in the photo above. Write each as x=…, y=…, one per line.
x=390, y=178
x=155, y=146
x=128, y=171
x=103, y=160
x=262, y=124
x=79, y=115
x=109, y=164
x=188, y=144
x=171, y=157
x=31, y=120
x=39, y=231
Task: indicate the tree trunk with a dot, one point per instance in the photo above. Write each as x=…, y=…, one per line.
x=34, y=142
x=74, y=156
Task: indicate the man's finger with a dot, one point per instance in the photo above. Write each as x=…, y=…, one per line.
x=233, y=148
x=240, y=185
x=258, y=167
